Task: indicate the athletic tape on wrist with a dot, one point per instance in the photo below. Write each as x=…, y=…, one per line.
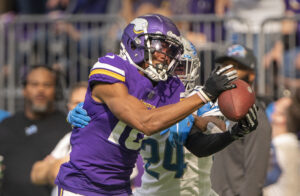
x=203, y=96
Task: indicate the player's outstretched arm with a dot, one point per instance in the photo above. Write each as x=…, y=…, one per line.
x=205, y=124
x=131, y=111
x=134, y=113
x=179, y=131
x=205, y=115
x=204, y=144
x=201, y=144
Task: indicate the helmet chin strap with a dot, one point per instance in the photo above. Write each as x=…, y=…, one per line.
x=153, y=75
x=163, y=75
x=149, y=71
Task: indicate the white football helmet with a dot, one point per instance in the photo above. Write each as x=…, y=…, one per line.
x=189, y=65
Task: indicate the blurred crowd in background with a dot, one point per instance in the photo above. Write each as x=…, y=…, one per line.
x=58, y=33
x=69, y=35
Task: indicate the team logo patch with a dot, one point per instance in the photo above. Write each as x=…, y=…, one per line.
x=32, y=129
x=236, y=50
x=140, y=24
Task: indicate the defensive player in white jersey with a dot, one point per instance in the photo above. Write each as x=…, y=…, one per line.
x=175, y=170
x=171, y=169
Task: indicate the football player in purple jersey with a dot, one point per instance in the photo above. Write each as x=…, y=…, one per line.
x=187, y=175
x=122, y=98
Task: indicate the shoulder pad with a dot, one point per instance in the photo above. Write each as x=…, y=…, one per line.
x=110, y=68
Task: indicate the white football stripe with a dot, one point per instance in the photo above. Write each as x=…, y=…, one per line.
x=214, y=112
x=108, y=67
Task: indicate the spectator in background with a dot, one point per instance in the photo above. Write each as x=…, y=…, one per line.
x=291, y=33
x=203, y=32
x=254, y=12
x=283, y=61
x=53, y=4
x=29, y=7
x=206, y=31
x=287, y=148
x=240, y=168
x=133, y=8
x=88, y=36
x=45, y=171
x=88, y=39
x=288, y=54
x=293, y=119
x=30, y=135
x=87, y=6
x=247, y=30
x=6, y=5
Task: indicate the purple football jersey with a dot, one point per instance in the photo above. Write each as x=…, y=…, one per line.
x=105, y=151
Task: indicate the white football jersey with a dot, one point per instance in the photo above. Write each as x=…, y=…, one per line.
x=174, y=171
x=63, y=147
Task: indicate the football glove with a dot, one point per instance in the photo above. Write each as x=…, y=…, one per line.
x=245, y=125
x=78, y=117
x=218, y=82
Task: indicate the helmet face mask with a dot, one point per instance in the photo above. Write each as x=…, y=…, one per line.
x=189, y=65
x=151, y=43
x=162, y=55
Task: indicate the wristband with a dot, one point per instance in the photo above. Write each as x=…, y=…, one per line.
x=203, y=96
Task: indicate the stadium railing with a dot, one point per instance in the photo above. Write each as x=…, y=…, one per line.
x=279, y=57
x=72, y=44
x=69, y=43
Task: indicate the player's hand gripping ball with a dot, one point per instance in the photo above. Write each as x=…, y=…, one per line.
x=235, y=103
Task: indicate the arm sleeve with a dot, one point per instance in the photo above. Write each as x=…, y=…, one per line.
x=202, y=145
x=256, y=157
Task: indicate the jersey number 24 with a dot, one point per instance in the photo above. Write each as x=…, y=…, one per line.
x=177, y=167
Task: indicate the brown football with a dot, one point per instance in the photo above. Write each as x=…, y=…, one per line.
x=235, y=103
